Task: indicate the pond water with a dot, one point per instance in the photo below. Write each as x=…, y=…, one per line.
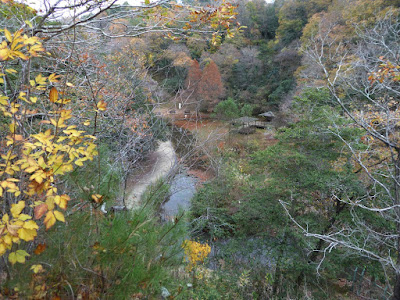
x=183, y=188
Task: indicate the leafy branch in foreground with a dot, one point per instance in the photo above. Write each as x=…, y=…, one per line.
x=34, y=154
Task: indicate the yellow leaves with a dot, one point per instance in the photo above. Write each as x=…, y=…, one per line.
x=101, y=105
x=38, y=176
x=3, y=100
x=50, y=203
x=49, y=220
x=36, y=158
x=4, y=51
x=53, y=95
x=58, y=123
x=17, y=256
x=8, y=35
x=59, y=216
x=12, y=127
x=11, y=71
x=22, y=96
x=27, y=234
x=53, y=78
x=79, y=162
x=31, y=40
x=195, y=252
x=31, y=169
x=18, y=228
x=27, y=22
x=30, y=225
x=9, y=156
x=65, y=114
x=72, y=132
x=34, y=49
x=3, y=249
x=16, y=209
x=37, y=269
x=24, y=217
x=40, y=80
x=51, y=217
x=5, y=218
x=14, y=107
x=97, y=198
x=62, y=201
x=14, y=43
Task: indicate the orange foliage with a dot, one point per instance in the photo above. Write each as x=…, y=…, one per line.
x=193, y=78
x=210, y=88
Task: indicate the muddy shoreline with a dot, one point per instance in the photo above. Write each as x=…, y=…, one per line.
x=158, y=165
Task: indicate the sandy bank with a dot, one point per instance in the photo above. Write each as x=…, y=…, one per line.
x=161, y=162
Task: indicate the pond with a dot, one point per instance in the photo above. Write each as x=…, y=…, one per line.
x=183, y=188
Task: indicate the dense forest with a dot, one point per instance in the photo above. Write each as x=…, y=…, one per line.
x=200, y=149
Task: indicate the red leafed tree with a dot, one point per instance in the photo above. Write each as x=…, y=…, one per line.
x=193, y=78
x=210, y=88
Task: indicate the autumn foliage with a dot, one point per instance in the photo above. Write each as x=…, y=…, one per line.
x=34, y=154
x=193, y=78
x=195, y=253
x=210, y=86
x=205, y=86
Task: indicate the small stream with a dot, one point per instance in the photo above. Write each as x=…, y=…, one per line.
x=183, y=188
x=163, y=163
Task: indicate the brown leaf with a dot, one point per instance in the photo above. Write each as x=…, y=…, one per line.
x=40, y=210
x=13, y=229
x=40, y=248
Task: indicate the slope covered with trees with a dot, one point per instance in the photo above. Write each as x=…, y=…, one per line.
x=324, y=196
x=307, y=207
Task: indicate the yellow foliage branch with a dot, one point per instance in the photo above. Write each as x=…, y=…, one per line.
x=31, y=163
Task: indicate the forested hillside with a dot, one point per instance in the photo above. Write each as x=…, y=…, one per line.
x=200, y=149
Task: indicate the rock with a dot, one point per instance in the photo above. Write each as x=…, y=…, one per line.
x=103, y=208
x=165, y=293
x=268, y=116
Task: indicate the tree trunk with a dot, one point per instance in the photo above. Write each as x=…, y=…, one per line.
x=396, y=288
